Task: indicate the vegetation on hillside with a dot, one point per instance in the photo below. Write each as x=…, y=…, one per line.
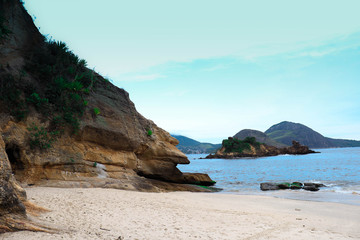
x=281, y=134
x=4, y=30
x=236, y=145
x=64, y=83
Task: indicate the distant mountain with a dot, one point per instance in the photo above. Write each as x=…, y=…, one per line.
x=285, y=132
x=260, y=137
x=191, y=146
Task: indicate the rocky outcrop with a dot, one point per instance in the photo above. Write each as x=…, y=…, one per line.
x=11, y=195
x=63, y=125
x=266, y=186
x=12, y=198
x=258, y=150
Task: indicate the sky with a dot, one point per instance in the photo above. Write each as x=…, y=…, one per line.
x=208, y=69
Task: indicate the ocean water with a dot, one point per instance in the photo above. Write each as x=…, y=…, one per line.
x=337, y=168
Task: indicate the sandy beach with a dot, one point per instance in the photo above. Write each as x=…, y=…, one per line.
x=117, y=214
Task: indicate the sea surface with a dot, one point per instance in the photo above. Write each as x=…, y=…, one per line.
x=337, y=168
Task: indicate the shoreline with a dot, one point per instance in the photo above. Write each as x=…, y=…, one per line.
x=91, y=213
x=301, y=195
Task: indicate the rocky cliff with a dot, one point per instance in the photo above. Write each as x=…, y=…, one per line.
x=64, y=125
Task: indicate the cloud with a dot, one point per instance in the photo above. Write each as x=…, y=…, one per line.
x=332, y=46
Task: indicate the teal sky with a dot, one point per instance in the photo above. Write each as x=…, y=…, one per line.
x=207, y=69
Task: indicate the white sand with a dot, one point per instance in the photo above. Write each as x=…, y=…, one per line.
x=117, y=214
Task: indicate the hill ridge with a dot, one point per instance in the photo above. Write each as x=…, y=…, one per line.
x=260, y=137
x=285, y=132
x=190, y=146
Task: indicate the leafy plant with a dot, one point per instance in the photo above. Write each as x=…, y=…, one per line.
x=82, y=63
x=96, y=111
x=37, y=100
x=40, y=137
x=149, y=132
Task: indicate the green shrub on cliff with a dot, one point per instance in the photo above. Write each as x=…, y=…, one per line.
x=96, y=111
x=235, y=145
x=65, y=81
x=41, y=138
x=60, y=95
x=149, y=132
x=41, y=104
x=252, y=141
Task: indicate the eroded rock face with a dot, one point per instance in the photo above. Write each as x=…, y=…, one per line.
x=112, y=148
x=11, y=194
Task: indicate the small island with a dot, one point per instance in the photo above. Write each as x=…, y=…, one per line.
x=249, y=147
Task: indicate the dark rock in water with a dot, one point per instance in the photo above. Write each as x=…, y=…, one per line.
x=297, y=149
x=285, y=185
x=296, y=185
x=318, y=185
x=311, y=188
x=269, y=186
x=293, y=186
